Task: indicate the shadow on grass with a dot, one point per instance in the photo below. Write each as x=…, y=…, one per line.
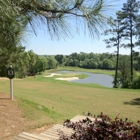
x=135, y=101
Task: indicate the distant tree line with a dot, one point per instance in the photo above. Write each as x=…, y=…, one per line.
x=87, y=60
x=29, y=63
x=105, y=61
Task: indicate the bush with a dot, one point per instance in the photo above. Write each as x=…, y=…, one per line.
x=126, y=83
x=103, y=128
x=136, y=83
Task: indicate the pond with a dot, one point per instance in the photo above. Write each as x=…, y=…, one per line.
x=101, y=79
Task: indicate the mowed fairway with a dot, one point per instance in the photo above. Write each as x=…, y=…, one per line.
x=62, y=100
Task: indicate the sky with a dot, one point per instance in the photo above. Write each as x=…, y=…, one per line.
x=43, y=45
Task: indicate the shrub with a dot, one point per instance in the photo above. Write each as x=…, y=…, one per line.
x=136, y=83
x=103, y=128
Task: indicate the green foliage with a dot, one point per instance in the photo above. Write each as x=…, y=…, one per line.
x=88, y=60
x=60, y=58
x=32, y=62
x=12, y=27
x=126, y=83
x=20, y=62
x=136, y=57
x=124, y=74
x=40, y=65
x=18, y=59
x=123, y=79
x=51, y=62
x=136, y=83
x=108, y=64
x=3, y=70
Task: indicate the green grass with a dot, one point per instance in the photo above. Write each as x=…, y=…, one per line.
x=46, y=101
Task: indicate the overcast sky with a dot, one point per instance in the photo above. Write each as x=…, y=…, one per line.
x=42, y=45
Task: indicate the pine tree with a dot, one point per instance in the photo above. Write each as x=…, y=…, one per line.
x=128, y=16
x=56, y=15
x=114, y=41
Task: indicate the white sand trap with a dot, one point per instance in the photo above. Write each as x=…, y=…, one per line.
x=68, y=78
x=52, y=74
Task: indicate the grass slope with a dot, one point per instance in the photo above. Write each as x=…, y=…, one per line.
x=46, y=101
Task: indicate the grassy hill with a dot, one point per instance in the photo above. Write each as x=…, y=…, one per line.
x=46, y=100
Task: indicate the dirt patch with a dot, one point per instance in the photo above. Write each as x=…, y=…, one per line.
x=11, y=121
x=4, y=78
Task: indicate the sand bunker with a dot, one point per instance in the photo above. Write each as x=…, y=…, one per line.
x=61, y=78
x=52, y=74
x=68, y=78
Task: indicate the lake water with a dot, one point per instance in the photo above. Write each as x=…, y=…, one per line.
x=101, y=79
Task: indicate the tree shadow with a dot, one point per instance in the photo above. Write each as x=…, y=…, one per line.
x=135, y=101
